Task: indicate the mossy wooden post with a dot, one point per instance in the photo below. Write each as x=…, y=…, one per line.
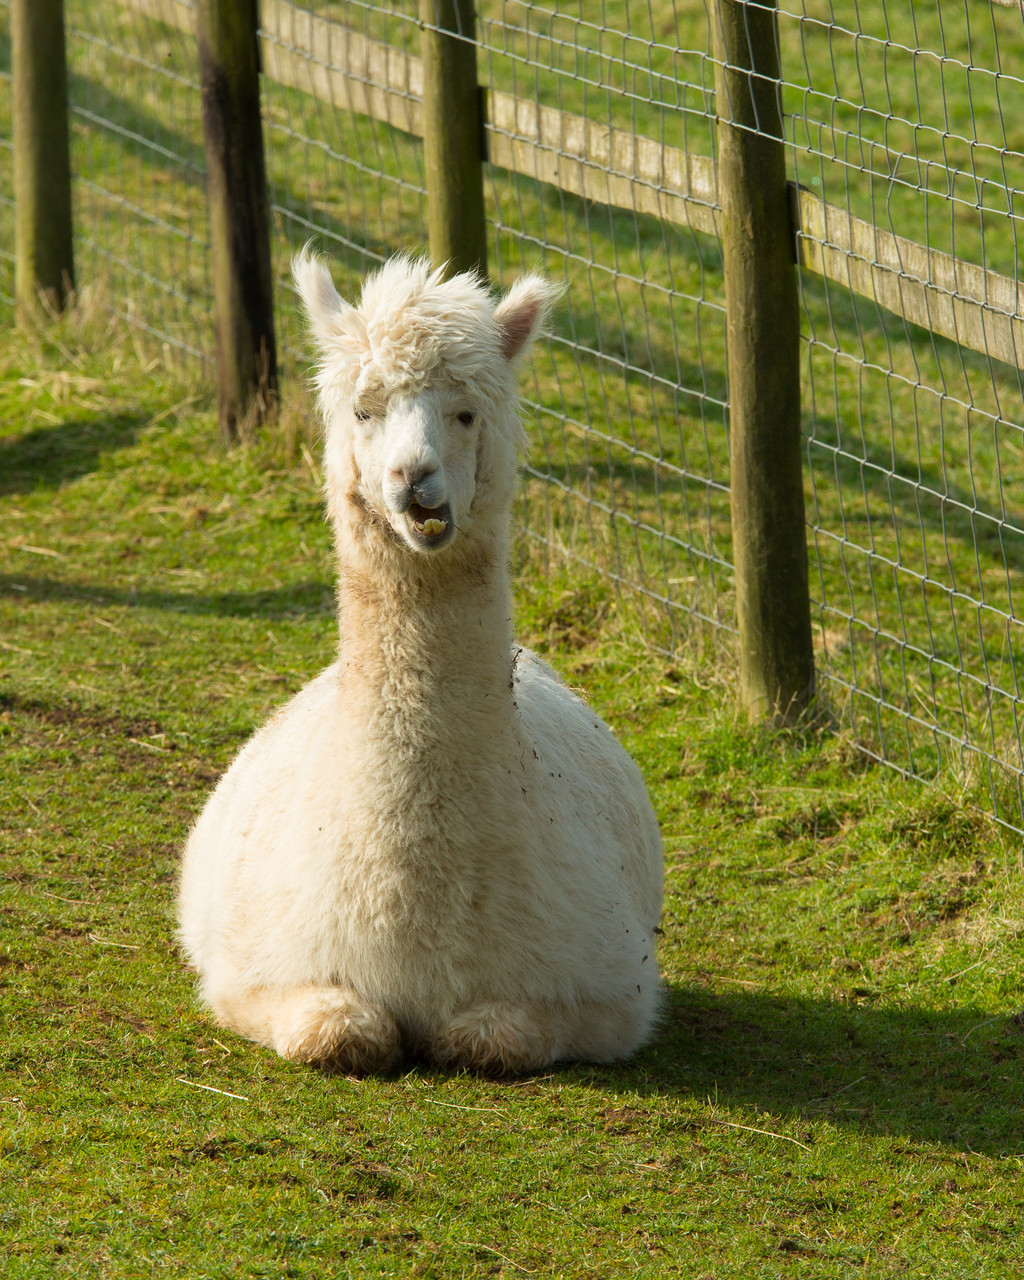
x=44, y=271
x=763, y=349
x=226, y=31
x=453, y=136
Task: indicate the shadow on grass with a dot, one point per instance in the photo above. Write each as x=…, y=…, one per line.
x=916, y=495
x=134, y=131
x=297, y=600
x=946, y=1076
x=48, y=456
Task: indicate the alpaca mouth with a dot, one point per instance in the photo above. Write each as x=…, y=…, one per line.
x=431, y=526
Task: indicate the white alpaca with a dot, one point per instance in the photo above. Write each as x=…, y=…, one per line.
x=435, y=848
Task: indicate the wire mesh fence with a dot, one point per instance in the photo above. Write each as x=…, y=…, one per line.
x=630, y=469
x=137, y=159
x=906, y=153
x=914, y=437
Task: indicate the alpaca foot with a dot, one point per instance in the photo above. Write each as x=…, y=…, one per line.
x=494, y=1040
x=332, y=1028
x=328, y=1027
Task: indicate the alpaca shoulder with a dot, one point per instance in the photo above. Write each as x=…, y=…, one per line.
x=263, y=776
x=282, y=745
x=560, y=719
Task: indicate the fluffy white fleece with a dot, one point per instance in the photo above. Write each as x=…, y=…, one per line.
x=436, y=848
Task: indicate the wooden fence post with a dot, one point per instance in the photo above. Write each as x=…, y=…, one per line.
x=763, y=351
x=43, y=252
x=226, y=32
x=453, y=136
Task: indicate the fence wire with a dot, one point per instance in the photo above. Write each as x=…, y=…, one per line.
x=906, y=150
x=914, y=439
x=629, y=470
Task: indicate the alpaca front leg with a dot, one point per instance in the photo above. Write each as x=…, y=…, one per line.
x=498, y=1040
x=327, y=1027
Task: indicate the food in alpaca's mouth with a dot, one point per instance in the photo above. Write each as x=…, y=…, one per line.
x=430, y=522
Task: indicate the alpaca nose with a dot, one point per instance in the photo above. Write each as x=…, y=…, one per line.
x=420, y=483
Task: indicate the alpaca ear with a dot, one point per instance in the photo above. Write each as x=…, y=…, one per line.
x=333, y=321
x=523, y=312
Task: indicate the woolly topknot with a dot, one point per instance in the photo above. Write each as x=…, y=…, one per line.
x=412, y=324
x=418, y=323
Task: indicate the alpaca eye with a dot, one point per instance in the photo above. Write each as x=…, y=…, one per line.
x=467, y=417
x=362, y=415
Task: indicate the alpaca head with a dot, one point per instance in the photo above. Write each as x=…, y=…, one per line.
x=418, y=394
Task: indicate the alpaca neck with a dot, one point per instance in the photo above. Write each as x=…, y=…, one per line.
x=430, y=646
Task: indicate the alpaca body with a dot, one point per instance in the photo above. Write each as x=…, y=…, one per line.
x=436, y=897
x=435, y=846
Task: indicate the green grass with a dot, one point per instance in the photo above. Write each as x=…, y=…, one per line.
x=836, y=1089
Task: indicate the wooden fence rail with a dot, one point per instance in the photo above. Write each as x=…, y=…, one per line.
x=979, y=309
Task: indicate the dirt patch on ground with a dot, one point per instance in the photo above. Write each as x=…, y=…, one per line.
x=70, y=714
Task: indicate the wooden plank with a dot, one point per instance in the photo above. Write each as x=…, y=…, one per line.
x=982, y=310
x=596, y=162
x=955, y=299
x=341, y=66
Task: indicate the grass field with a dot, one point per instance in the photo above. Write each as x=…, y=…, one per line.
x=837, y=1086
